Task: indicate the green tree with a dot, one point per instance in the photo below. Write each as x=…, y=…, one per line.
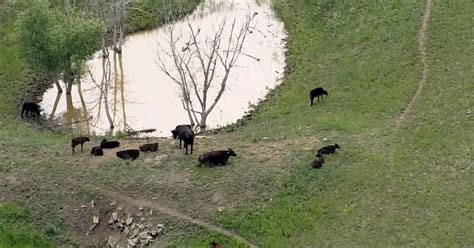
x=58, y=43
x=37, y=41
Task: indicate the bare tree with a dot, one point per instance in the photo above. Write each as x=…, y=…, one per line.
x=197, y=64
x=104, y=88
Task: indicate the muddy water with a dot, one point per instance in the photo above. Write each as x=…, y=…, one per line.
x=129, y=91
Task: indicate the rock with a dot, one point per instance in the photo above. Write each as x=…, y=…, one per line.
x=154, y=232
x=111, y=221
x=120, y=225
x=113, y=240
x=129, y=221
x=131, y=242
x=140, y=208
x=160, y=231
x=147, y=241
x=134, y=233
x=92, y=204
x=136, y=241
x=143, y=235
x=113, y=203
x=91, y=228
x=115, y=216
x=151, y=211
x=126, y=230
x=161, y=226
x=83, y=206
x=133, y=226
x=95, y=219
x=141, y=227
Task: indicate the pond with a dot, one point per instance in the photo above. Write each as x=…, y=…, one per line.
x=130, y=91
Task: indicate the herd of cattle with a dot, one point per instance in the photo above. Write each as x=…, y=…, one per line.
x=186, y=136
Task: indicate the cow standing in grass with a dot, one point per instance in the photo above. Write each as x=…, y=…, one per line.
x=317, y=92
x=186, y=134
x=30, y=108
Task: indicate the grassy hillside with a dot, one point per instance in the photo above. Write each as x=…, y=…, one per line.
x=16, y=229
x=366, y=55
x=388, y=186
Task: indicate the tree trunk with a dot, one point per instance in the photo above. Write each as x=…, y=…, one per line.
x=84, y=107
x=202, y=123
x=69, y=88
x=122, y=14
x=56, y=102
x=58, y=86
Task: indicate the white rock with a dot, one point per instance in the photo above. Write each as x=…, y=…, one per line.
x=131, y=242
x=134, y=233
x=92, y=204
x=115, y=216
x=129, y=221
x=95, y=219
x=161, y=226
x=136, y=240
x=143, y=235
x=113, y=240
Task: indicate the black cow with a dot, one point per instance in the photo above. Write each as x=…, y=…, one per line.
x=149, y=147
x=104, y=144
x=317, y=92
x=318, y=162
x=79, y=141
x=127, y=154
x=30, y=107
x=97, y=151
x=216, y=157
x=328, y=149
x=185, y=134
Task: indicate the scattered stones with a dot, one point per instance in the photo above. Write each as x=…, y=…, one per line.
x=133, y=231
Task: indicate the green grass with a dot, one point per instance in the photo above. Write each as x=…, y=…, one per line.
x=16, y=229
x=365, y=53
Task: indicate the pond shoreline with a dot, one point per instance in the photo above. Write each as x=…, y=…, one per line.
x=242, y=120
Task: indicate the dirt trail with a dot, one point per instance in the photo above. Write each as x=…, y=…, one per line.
x=167, y=211
x=422, y=43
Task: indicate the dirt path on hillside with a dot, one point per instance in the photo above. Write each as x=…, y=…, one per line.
x=131, y=201
x=422, y=47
